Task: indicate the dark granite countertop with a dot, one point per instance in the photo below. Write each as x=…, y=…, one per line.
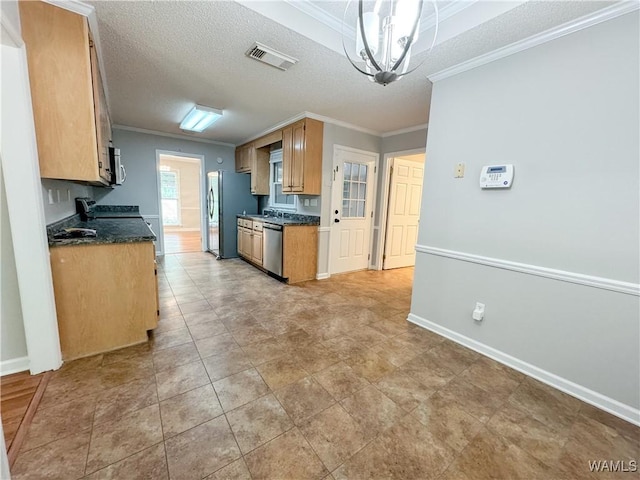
x=286, y=221
x=108, y=230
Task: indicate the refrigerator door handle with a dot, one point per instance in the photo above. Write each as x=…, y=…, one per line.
x=210, y=202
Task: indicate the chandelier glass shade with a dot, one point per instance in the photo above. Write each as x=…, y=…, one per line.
x=385, y=33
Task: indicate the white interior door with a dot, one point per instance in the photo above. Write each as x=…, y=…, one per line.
x=351, y=210
x=403, y=215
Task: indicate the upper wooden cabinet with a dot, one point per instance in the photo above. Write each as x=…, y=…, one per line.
x=260, y=171
x=253, y=160
x=243, y=158
x=69, y=106
x=302, y=157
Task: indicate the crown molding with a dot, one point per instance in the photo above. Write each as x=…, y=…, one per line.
x=340, y=123
x=315, y=116
x=586, y=21
x=73, y=6
x=415, y=128
x=11, y=32
x=170, y=135
x=322, y=16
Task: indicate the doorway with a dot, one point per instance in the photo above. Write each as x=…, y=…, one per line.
x=352, y=206
x=403, y=211
x=180, y=195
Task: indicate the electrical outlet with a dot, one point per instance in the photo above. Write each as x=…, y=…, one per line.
x=50, y=196
x=68, y=195
x=478, y=312
x=306, y=202
x=314, y=202
x=459, y=171
x=58, y=195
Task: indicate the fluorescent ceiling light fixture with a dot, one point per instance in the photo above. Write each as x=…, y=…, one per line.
x=200, y=118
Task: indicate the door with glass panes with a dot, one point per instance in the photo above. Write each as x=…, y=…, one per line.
x=351, y=209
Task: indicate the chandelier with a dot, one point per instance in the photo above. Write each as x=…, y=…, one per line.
x=386, y=31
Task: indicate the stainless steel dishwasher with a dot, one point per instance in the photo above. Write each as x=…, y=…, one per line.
x=272, y=251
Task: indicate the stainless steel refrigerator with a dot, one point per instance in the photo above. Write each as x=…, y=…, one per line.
x=228, y=194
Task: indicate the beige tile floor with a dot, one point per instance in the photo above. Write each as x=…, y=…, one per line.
x=246, y=377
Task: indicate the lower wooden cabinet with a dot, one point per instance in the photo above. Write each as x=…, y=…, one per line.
x=300, y=253
x=256, y=244
x=106, y=296
x=250, y=240
x=299, y=248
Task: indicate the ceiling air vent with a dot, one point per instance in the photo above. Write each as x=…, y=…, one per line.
x=270, y=56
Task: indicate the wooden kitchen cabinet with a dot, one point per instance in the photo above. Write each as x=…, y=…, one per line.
x=302, y=157
x=69, y=105
x=300, y=253
x=245, y=241
x=260, y=171
x=256, y=243
x=106, y=296
x=243, y=158
x=254, y=161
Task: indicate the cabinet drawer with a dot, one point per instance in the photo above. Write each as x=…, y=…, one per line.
x=257, y=226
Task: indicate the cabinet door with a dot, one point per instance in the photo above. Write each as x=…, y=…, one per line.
x=105, y=296
x=287, y=154
x=257, y=248
x=57, y=46
x=260, y=171
x=247, y=247
x=239, y=159
x=239, y=240
x=297, y=158
x=101, y=115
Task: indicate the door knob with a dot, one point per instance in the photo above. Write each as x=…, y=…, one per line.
x=337, y=220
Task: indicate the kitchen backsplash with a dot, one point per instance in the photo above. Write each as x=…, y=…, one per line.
x=296, y=216
x=63, y=194
x=263, y=203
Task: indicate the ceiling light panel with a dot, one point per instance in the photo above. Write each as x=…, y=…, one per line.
x=200, y=118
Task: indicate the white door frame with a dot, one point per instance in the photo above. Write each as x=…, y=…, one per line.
x=384, y=205
x=337, y=147
x=23, y=186
x=203, y=188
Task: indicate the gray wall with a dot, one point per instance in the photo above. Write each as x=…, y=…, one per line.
x=138, y=154
x=566, y=114
x=12, y=339
x=64, y=208
x=404, y=141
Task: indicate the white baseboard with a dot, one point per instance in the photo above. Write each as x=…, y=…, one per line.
x=626, y=412
x=15, y=365
x=322, y=276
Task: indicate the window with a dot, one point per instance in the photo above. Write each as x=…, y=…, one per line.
x=277, y=198
x=170, y=197
x=354, y=190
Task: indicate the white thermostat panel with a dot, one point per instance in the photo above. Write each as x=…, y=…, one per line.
x=496, y=176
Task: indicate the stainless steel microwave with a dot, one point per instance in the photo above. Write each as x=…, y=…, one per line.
x=118, y=173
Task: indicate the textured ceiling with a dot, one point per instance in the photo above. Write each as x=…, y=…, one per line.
x=162, y=57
